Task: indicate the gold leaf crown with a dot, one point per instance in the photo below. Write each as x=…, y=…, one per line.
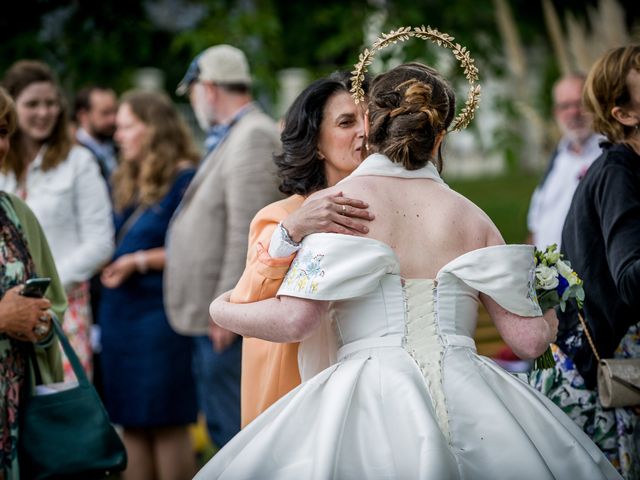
x=441, y=39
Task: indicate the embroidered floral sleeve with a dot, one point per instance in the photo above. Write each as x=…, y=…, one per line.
x=333, y=266
x=305, y=272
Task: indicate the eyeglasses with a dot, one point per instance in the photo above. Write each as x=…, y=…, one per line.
x=564, y=106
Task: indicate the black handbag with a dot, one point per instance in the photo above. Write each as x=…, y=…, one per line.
x=66, y=434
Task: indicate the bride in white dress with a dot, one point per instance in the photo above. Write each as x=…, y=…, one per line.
x=408, y=397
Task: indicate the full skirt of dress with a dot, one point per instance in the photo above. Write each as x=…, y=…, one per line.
x=372, y=416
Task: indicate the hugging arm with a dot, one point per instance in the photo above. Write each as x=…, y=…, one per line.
x=281, y=319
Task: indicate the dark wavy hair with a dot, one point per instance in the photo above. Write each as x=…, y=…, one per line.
x=300, y=169
x=409, y=106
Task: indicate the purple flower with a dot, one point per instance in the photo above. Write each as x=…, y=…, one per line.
x=562, y=285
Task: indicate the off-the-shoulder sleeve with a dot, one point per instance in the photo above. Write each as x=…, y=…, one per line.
x=506, y=273
x=332, y=266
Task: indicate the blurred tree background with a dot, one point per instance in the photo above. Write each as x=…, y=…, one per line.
x=520, y=46
x=108, y=41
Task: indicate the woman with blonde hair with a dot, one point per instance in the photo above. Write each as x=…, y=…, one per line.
x=146, y=365
x=601, y=238
x=61, y=183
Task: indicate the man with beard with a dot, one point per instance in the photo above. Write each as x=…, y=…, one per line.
x=95, y=112
x=575, y=152
x=207, y=237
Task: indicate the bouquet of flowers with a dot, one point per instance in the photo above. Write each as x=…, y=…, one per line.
x=556, y=283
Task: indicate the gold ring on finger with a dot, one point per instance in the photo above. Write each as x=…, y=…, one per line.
x=344, y=209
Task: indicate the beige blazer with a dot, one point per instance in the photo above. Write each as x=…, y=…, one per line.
x=207, y=238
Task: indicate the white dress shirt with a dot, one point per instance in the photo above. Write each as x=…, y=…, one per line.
x=72, y=204
x=551, y=201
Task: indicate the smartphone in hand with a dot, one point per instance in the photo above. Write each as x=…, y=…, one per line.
x=36, y=287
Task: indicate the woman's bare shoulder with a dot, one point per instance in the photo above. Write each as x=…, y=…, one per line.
x=478, y=227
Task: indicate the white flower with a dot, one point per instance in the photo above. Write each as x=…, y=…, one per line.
x=566, y=271
x=547, y=277
x=553, y=257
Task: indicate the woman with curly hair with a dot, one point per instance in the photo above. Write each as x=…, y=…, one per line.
x=146, y=365
x=322, y=143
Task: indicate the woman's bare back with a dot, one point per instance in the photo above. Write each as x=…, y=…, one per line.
x=425, y=223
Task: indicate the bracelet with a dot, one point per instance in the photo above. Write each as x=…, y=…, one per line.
x=140, y=259
x=286, y=237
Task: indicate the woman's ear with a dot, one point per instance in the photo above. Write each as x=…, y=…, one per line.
x=624, y=117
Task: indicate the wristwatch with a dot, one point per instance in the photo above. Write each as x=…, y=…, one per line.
x=286, y=237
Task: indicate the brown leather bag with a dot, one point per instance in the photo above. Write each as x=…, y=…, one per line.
x=619, y=382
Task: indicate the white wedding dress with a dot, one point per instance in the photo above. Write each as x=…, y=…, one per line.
x=409, y=397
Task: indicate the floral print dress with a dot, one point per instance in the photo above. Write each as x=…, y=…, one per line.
x=614, y=430
x=16, y=266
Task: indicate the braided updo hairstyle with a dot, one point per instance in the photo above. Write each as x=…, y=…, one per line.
x=409, y=106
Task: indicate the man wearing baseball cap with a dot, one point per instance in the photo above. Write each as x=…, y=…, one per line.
x=207, y=239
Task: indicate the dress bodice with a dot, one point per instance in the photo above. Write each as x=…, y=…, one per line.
x=372, y=306
x=369, y=298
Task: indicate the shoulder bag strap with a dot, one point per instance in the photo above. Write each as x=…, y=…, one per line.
x=586, y=331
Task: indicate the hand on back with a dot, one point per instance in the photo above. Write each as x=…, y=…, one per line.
x=329, y=212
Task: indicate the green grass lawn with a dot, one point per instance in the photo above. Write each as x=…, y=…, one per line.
x=505, y=199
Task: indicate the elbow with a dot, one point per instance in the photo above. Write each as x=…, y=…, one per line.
x=531, y=350
x=215, y=314
x=532, y=341
x=534, y=345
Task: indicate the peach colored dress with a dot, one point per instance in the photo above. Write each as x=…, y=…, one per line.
x=269, y=370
